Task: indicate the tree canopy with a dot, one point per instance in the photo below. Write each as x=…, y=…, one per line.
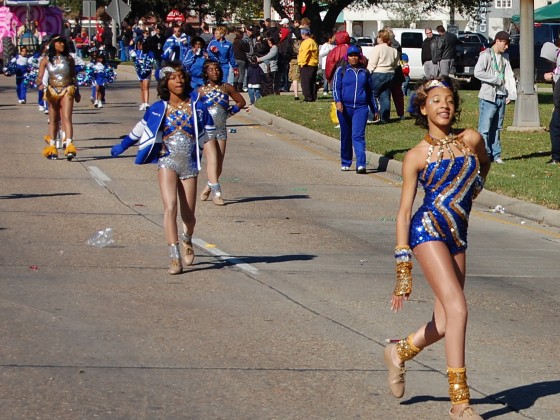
x=251, y=10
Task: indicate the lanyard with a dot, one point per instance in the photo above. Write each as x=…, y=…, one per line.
x=501, y=71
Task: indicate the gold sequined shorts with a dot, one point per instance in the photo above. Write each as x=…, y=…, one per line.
x=55, y=94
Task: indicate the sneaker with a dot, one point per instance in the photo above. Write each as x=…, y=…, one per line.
x=361, y=170
x=20, y=101
x=337, y=126
x=296, y=98
x=141, y=107
x=95, y=104
x=41, y=108
x=146, y=106
x=99, y=104
x=499, y=161
x=23, y=101
x=553, y=162
x=345, y=168
x=46, y=111
x=92, y=100
x=325, y=93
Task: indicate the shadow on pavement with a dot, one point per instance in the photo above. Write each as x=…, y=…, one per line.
x=511, y=400
x=272, y=197
x=521, y=398
x=14, y=196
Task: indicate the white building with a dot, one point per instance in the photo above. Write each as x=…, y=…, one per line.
x=492, y=19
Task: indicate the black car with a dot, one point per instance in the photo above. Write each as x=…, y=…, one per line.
x=467, y=51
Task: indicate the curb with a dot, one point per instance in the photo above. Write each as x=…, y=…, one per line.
x=489, y=199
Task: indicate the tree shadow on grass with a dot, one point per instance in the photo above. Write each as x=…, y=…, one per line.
x=529, y=156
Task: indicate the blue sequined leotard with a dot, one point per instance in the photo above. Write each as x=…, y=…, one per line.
x=178, y=152
x=217, y=101
x=450, y=186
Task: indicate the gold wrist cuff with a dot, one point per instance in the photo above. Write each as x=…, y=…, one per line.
x=404, y=278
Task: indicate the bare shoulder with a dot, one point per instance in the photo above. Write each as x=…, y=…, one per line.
x=471, y=137
x=416, y=156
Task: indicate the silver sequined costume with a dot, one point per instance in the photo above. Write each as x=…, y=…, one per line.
x=217, y=102
x=61, y=79
x=179, y=153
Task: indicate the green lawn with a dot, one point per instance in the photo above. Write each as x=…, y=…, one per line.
x=524, y=175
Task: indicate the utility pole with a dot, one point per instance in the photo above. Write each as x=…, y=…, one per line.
x=526, y=114
x=266, y=9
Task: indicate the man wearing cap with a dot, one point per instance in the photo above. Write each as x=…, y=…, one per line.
x=497, y=90
x=285, y=49
x=308, y=62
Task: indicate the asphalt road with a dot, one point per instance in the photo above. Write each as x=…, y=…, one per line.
x=284, y=314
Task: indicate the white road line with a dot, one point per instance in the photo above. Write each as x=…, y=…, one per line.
x=98, y=175
x=226, y=257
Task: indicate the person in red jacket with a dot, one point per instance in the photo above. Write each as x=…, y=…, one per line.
x=406, y=73
x=338, y=54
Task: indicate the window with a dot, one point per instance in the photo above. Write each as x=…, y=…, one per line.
x=503, y=4
x=411, y=40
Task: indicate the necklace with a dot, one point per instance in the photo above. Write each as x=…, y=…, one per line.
x=434, y=141
x=182, y=106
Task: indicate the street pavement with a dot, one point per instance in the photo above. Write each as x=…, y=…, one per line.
x=285, y=312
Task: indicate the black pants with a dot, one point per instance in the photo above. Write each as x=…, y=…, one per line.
x=308, y=75
x=555, y=134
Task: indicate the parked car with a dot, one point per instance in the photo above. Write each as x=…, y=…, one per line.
x=364, y=41
x=543, y=32
x=467, y=52
x=411, y=44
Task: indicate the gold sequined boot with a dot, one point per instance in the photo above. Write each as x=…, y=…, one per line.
x=395, y=376
x=459, y=394
x=176, y=265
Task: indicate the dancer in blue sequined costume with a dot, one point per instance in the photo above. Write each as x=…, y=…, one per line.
x=216, y=95
x=171, y=134
x=451, y=166
x=144, y=63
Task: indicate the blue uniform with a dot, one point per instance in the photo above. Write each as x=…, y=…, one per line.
x=450, y=186
x=193, y=64
x=175, y=48
x=143, y=64
x=223, y=55
x=352, y=87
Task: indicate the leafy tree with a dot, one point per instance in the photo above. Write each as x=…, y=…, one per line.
x=334, y=7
